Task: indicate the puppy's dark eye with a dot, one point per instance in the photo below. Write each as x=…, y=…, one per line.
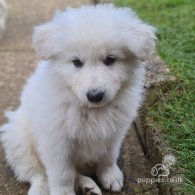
x=77, y=62
x=109, y=60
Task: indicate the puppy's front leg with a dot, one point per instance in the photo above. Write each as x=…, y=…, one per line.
x=108, y=172
x=59, y=168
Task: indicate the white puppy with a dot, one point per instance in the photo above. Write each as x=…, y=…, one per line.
x=3, y=15
x=78, y=105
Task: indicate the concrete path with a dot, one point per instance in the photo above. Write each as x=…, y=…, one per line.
x=17, y=62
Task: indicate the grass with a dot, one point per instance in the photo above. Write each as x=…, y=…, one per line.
x=174, y=112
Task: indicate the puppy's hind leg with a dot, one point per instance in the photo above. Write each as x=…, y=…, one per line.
x=20, y=153
x=87, y=186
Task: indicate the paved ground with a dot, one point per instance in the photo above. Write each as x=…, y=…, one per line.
x=17, y=61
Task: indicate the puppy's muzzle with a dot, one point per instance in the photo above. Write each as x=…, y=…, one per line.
x=95, y=96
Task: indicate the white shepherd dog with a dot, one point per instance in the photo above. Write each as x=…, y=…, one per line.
x=78, y=105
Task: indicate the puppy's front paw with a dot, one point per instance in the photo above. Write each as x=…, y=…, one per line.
x=39, y=187
x=111, y=178
x=87, y=186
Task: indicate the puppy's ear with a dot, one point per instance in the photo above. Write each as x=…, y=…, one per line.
x=142, y=41
x=44, y=40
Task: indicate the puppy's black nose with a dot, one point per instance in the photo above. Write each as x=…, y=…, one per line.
x=95, y=96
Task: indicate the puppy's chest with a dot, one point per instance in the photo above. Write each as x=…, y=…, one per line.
x=99, y=124
x=89, y=151
x=93, y=133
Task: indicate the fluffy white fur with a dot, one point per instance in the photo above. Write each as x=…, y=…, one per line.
x=56, y=133
x=3, y=15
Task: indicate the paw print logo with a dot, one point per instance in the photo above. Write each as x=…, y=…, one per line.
x=160, y=170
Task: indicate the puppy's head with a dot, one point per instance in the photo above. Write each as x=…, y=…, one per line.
x=94, y=49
